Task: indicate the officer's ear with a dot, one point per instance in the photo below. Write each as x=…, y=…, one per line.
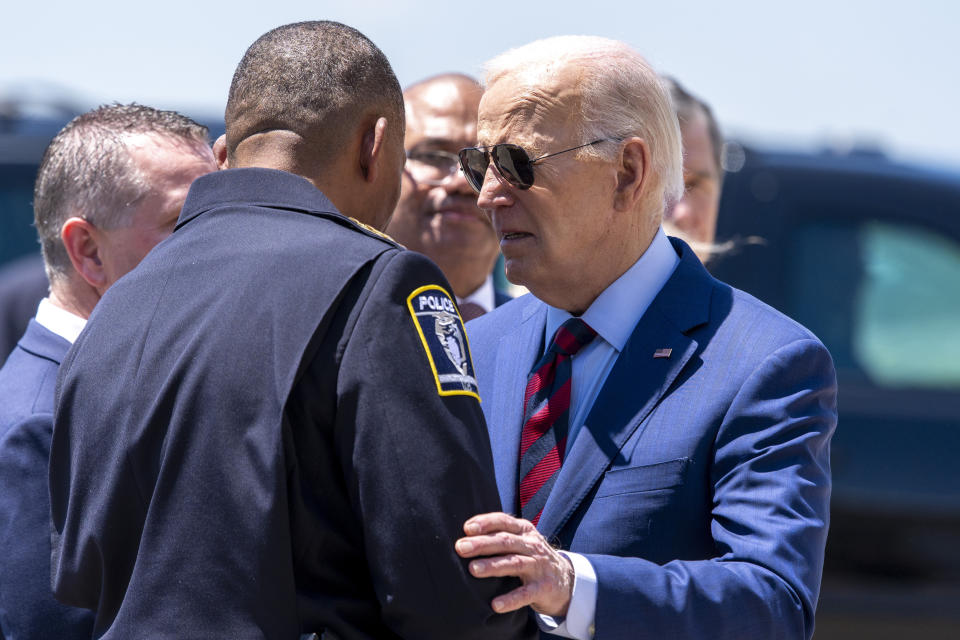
x=372, y=150
x=220, y=152
x=80, y=240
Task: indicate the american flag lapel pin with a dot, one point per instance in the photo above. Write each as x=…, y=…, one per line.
x=662, y=353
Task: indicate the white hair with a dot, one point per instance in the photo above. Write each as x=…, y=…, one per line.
x=621, y=96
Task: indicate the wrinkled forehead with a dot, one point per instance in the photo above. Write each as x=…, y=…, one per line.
x=534, y=108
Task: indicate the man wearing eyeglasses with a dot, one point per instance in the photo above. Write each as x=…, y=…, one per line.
x=437, y=213
x=670, y=434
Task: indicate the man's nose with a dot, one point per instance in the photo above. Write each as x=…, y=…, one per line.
x=495, y=191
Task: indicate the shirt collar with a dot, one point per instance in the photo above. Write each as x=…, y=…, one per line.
x=618, y=309
x=482, y=295
x=60, y=321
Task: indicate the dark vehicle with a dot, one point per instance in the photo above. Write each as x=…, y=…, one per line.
x=866, y=253
x=25, y=132
x=23, y=139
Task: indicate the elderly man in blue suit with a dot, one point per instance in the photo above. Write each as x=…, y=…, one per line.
x=669, y=433
x=109, y=188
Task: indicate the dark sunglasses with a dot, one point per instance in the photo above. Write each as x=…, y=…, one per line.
x=510, y=160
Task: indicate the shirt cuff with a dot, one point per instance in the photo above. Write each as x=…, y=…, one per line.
x=583, y=603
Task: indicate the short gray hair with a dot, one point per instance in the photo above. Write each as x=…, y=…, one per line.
x=87, y=172
x=621, y=94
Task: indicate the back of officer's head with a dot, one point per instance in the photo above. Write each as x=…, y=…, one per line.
x=303, y=99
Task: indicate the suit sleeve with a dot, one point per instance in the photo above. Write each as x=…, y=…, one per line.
x=27, y=607
x=771, y=493
x=419, y=465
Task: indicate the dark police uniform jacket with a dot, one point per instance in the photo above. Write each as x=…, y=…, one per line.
x=27, y=381
x=271, y=427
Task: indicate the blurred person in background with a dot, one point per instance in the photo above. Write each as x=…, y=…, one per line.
x=109, y=188
x=694, y=217
x=437, y=214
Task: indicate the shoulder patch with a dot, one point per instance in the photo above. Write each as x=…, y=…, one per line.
x=444, y=339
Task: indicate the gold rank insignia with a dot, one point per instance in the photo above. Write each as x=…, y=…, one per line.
x=444, y=339
x=373, y=230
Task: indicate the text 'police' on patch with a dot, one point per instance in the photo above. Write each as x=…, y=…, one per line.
x=444, y=339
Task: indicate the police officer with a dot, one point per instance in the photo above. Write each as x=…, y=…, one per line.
x=272, y=427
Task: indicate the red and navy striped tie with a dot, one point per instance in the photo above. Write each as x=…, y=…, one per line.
x=546, y=409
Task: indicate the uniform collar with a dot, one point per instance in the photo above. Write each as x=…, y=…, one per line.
x=253, y=186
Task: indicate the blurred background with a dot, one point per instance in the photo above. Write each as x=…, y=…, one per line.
x=842, y=199
x=877, y=72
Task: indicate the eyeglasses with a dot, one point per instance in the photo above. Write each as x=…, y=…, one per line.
x=511, y=161
x=433, y=167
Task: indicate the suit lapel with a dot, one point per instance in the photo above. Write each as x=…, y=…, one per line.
x=516, y=353
x=633, y=388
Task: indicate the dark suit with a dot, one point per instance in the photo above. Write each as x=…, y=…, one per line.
x=23, y=284
x=500, y=298
x=27, y=380
x=251, y=442
x=699, y=486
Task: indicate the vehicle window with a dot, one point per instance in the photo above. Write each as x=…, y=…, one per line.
x=908, y=316
x=884, y=298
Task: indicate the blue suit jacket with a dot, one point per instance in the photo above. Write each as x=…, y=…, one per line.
x=27, y=382
x=699, y=486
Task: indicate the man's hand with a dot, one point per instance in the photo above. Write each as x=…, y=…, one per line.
x=516, y=548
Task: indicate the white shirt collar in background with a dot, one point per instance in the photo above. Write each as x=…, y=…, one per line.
x=483, y=296
x=60, y=321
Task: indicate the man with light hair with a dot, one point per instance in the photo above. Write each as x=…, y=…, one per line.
x=661, y=440
x=109, y=188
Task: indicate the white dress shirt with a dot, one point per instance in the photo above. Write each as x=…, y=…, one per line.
x=483, y=296
x=613, y=315
x=65, y=324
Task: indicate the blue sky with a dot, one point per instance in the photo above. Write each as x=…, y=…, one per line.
x=816, y=73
